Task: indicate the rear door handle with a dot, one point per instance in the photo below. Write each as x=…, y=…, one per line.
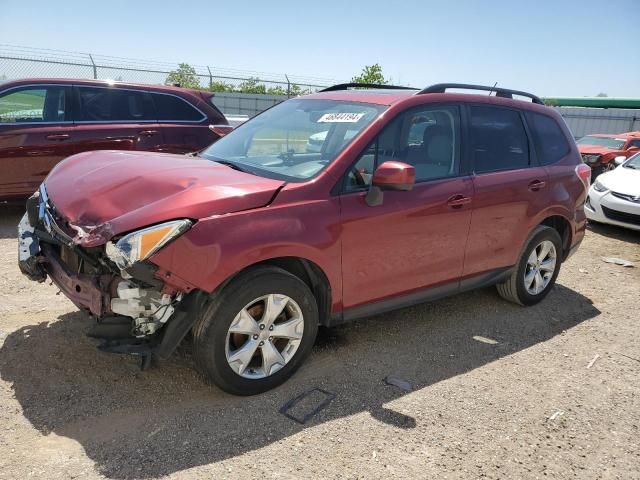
x=147, y=133
x=537, y=185
x=457, y=201
x=60, y=137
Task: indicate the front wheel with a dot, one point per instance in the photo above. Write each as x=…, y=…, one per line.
x=537, y=268
x=257, y=331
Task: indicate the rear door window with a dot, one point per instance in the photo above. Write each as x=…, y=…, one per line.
x=498, y=139
x=114, y=105
x=171, y=108
x=37, y=104
x=548, y=138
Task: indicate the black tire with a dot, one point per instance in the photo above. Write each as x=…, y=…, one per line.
x=210, y=332
x=513, y=289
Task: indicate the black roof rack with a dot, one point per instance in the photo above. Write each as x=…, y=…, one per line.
x=345, y=86
x=500, y=92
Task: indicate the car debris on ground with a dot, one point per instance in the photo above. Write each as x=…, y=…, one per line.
x=618, y=261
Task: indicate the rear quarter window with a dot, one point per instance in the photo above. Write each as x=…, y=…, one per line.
x=172, y=108
x=548, y=138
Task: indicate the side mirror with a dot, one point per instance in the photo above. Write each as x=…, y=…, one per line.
x=390, y=175
x=619, y=160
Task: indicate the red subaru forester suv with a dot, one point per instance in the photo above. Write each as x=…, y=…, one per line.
x=413, y=195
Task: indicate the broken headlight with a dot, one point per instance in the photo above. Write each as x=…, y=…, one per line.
x=141, y=244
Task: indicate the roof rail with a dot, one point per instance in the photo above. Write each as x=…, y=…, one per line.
x=500, y=92
x=345, y=86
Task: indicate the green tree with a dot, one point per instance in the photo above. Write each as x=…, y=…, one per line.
x=371, y=74
x=252, y=85
x=295, y=90
x=220, y=87
x=277, y=90
x=185, y=75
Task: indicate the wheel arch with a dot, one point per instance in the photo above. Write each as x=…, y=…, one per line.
x=560, y=224
x=304, y=269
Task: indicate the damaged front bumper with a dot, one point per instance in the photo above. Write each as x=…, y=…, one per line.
x=152, y=317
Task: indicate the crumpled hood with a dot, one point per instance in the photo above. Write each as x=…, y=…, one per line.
x=594, y=149
x=105, y=193
x=622, y=180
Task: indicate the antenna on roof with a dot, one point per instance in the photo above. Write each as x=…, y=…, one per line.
x=494, y=86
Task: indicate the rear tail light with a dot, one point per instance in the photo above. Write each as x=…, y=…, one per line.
x=584, y=173
x=221, y=130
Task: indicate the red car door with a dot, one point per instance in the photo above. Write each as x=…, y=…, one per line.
x=35, y=134
x=415, y=239
x=508, y=188
x=112, y=118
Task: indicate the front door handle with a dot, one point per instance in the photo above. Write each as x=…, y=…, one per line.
x=536, y=185
x=457, y=201
x=147, y=133
x=60, y=137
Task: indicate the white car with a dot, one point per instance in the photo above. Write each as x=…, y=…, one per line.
x=614, y=197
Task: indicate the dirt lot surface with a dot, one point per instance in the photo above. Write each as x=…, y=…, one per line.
x=499, y=391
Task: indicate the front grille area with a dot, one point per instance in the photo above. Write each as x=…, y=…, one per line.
x=621, y=216
x=628, y=198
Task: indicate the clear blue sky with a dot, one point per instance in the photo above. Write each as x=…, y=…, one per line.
x=562, y=48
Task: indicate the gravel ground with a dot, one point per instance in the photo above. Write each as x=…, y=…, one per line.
x=499, y=391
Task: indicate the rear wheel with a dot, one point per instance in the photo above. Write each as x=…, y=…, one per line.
x=537, y=268
x=257, y=331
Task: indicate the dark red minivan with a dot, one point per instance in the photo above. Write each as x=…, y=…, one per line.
x=412, y=195
x=43, y=121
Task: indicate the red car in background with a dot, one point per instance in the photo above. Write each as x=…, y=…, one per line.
x=600, y=150
x=43, y=121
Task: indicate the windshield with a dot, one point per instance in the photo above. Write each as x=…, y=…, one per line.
x=294, y=140
x=608, y=142
x=633, y=162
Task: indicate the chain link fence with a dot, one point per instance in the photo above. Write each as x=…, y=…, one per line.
x=23, y=62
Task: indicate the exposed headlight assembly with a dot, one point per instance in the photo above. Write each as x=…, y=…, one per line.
x=141, y=244
x=599, y=187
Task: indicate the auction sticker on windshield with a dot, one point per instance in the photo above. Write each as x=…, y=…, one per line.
x=340, y=118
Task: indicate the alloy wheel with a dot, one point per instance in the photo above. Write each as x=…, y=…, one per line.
x=540, y=267
x=264, y=336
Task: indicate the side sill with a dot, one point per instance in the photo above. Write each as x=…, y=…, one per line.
x=426, y=295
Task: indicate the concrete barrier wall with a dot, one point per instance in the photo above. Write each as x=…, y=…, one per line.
x=245, y=103
x=583, y=121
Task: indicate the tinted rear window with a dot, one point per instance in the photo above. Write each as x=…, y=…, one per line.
x=114, y=105
x=498, y=139
x=551, y=144
x=172, y=108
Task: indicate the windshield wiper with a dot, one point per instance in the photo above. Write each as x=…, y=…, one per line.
x=233, y=165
